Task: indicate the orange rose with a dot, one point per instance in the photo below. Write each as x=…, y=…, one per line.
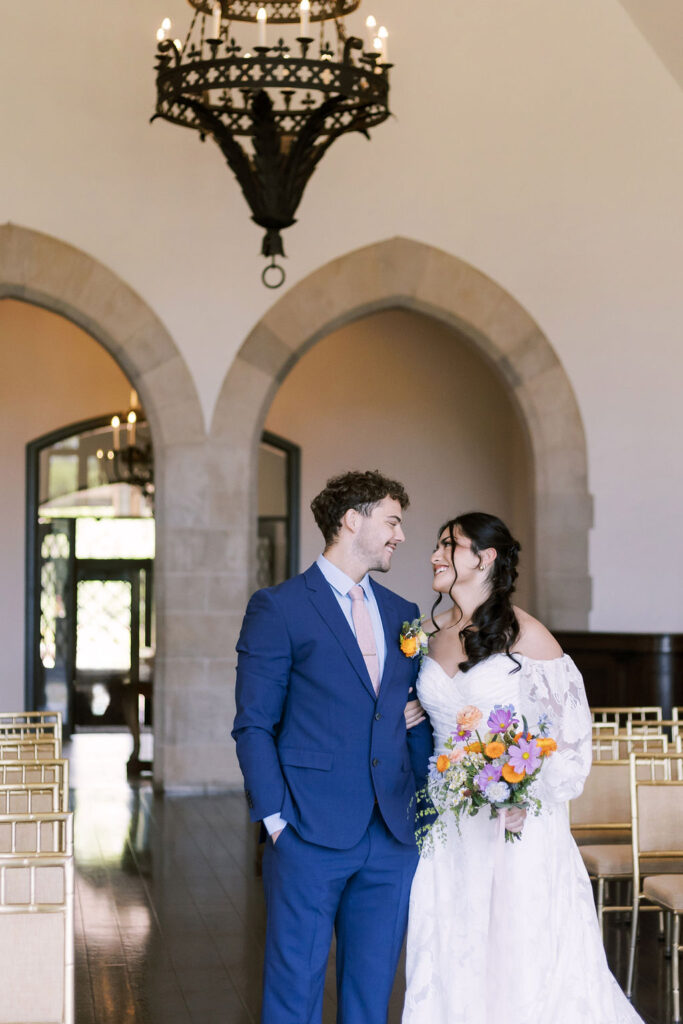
x=409, y=646
x=547, y=744
x=494, y=749
x=510, y=775
x=474, y=748
x=469, y=717
x=442, y=763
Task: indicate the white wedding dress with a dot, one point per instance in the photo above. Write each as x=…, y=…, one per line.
x=508, y=931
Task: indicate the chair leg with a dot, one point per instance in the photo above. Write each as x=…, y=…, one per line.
x=601, y=906
x=668, y=924
x=660, y=920
x=632, y=947
x=674, y=969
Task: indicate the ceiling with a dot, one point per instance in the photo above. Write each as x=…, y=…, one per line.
x=661, y=22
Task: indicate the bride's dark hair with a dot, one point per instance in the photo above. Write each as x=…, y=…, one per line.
x=494, y=627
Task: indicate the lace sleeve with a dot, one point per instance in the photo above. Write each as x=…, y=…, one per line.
x=553, y=692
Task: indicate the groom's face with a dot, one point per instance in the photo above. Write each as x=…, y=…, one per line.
x=379, y=534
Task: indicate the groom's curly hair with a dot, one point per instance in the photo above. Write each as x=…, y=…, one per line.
x=359, y=490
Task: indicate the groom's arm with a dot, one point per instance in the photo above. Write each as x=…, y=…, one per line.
x=420, y=749
x=263, y=668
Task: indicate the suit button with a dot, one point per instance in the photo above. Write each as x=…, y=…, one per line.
x=377, y=717
x=375, y=762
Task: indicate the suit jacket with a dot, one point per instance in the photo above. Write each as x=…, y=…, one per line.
x=313, y=741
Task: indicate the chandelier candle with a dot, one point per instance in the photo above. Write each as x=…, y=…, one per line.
x=217, y=14
x=305, y=19
x=370, y=29
x=383, y=35
x=262, y=19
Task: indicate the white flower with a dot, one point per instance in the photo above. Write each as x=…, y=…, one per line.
x=497, y=792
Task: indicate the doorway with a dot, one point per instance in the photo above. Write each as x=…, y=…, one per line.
x=90, y=637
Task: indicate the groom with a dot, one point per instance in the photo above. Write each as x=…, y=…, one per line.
x=328, y=763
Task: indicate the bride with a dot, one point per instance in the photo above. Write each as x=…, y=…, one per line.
x=504, y=931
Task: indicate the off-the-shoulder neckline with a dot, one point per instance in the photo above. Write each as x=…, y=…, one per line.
x=539, y=661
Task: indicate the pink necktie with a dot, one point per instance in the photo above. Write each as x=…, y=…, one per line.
x=365, y=634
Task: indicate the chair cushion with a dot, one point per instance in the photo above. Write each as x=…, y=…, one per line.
x=667, y=890
x=602, y=836
x=615, y=861
x=608, y=859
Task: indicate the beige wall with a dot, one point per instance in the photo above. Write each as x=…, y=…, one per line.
x=51, y=374
x=541, y=143
x=403, y=393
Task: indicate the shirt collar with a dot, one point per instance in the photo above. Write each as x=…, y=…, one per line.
x=338, y=579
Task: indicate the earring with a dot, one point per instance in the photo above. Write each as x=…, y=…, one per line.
x=482, y=568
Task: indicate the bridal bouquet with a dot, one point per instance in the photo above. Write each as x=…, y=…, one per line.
x=496, y=771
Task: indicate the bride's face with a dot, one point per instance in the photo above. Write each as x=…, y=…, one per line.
x=451, y=556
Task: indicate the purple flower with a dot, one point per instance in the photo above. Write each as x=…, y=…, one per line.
x=488, y=774
x=501, y=718
x=461, y=733
x=525, y=756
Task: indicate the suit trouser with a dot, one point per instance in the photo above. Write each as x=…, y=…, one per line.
x=363, y=894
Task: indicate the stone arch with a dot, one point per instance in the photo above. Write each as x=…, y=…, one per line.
x=407, y=274
x=44, y=271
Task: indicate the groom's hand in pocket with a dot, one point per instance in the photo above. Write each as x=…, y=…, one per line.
x=276, y=835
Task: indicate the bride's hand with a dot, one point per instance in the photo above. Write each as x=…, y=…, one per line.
x=414, y=712
x=514, y=819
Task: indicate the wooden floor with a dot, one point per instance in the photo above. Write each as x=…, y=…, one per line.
x=169, y=910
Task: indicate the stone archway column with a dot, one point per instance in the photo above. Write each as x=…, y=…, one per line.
x=191, y=745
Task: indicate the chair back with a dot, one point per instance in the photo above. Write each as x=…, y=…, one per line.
x=604, y=802
x=35, y=834
x=32, y=798
x=656, y=813
x=49, y=748
x=625, y=715
x=12, y=722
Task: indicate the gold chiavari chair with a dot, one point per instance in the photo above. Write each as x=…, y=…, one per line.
x=32, y=798
x=618, y=746
x=49, y=748
x=625, y=715
x=29, y=773
x=601, y=823
x=36, y=919
x=29, y=725
x=657, y=826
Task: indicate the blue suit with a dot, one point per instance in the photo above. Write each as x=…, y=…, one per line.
x=316, y=744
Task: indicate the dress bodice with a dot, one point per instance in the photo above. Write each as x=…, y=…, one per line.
x=443, y=696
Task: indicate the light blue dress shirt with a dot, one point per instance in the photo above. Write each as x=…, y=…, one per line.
x=340, y=584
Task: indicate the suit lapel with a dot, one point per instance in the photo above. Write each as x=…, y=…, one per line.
x=327, y=606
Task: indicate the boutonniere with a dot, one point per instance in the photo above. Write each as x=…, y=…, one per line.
x=413, y=639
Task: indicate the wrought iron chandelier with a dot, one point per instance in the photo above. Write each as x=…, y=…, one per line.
x=130, y=459
x=275, y=109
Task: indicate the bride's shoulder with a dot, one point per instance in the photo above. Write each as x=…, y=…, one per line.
x=534, y=640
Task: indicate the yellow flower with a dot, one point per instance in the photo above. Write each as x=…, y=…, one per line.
x=547, y=745
x=442, y=762
x=510, y=775
x=410, y=646
x=494, y=750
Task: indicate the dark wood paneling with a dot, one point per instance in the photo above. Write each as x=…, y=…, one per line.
x=624, y=669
